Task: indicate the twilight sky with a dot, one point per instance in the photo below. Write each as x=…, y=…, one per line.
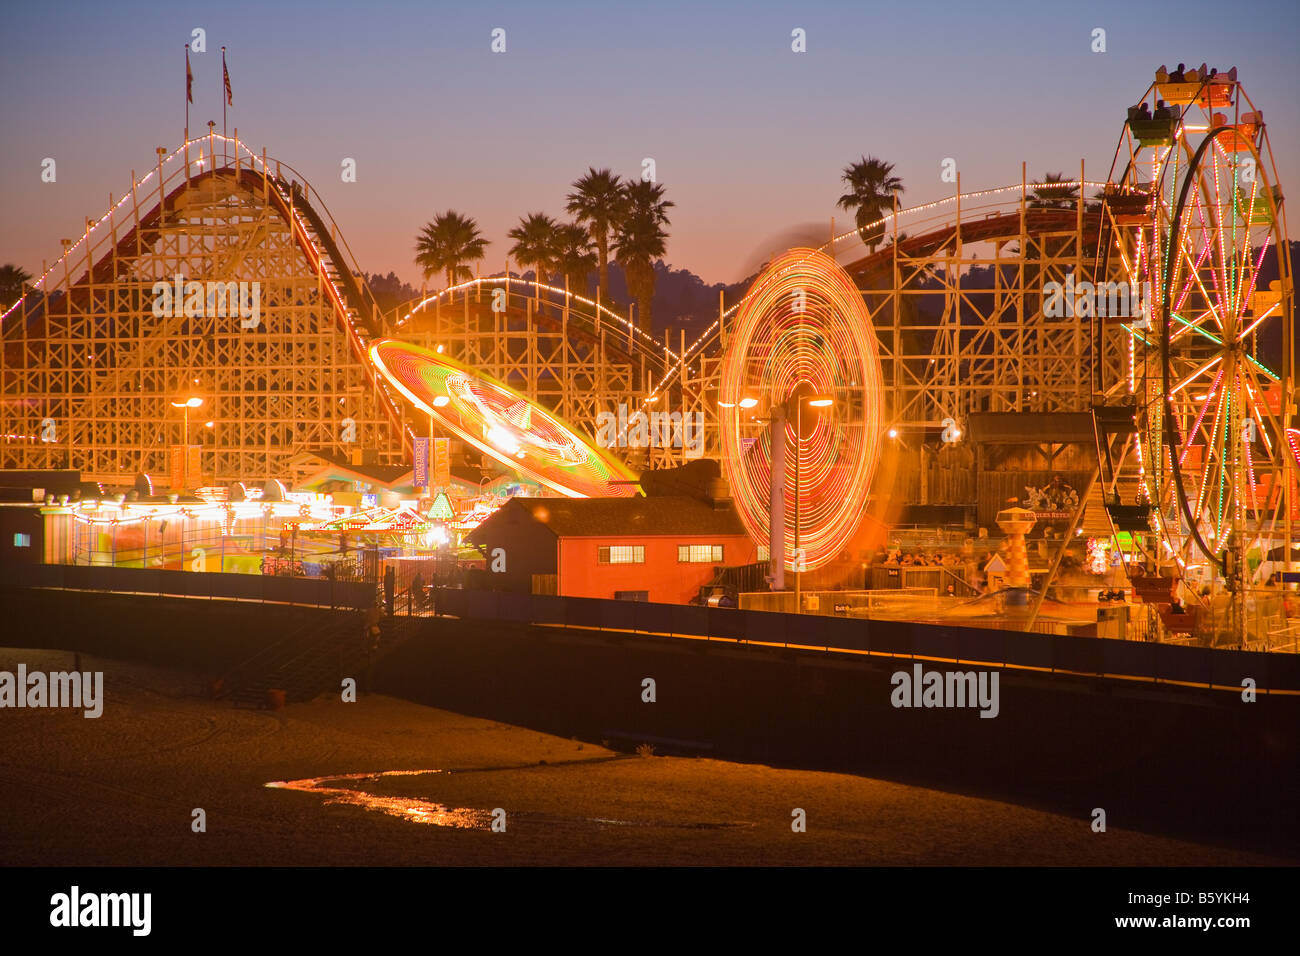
x=748, y=137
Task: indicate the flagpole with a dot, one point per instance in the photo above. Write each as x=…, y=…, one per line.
x=187, y=91
x=224, y=74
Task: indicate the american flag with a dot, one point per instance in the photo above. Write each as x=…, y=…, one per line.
x=189, y=76
x=230, y=101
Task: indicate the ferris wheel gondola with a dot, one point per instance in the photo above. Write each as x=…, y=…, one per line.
x=1195, y=219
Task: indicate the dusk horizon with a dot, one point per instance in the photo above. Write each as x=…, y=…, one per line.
x=749, y=138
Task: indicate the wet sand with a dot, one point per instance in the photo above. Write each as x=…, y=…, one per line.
x=120, y=790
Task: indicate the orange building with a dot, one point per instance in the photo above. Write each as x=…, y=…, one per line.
x=660, y=549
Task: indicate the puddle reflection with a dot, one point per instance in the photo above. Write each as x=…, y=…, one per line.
x=406, y=808
x=341, y=789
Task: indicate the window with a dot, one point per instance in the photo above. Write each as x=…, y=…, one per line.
x=22, y=540
x=621, y=554
x=699, y=554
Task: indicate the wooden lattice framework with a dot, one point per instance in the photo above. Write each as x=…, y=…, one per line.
x=85, y=351
x=948, y=349
x=572, y=356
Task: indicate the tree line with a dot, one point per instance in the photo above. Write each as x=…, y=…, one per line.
x=622, y=217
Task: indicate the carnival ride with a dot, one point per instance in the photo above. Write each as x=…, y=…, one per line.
x=802, y=331
x=1193, y=211
x=501, y=423
x=90, y=368
x=1194, y=410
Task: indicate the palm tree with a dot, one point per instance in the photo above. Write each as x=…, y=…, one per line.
x=447, y=243
x=535, y=245
x=872, y=189
x=574, y=256
x=1047, y=194
x=640, y=239
x=12, y=280
x=597, y=202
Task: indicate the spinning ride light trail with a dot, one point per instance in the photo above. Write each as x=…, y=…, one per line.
x=803, y=330
x=501, y=423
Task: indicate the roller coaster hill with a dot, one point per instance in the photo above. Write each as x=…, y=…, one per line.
x=953, y=388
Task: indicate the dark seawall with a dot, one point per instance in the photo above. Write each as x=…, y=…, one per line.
x=1184, y=761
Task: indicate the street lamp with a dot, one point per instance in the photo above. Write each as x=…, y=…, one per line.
x=776, y=419
x=776, y=487
x=187, y=404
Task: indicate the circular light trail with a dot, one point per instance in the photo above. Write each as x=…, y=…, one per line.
x=803, y=331
x=501, y=423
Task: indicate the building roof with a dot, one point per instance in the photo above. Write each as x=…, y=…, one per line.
x=56, y=481
x=333, y=467
x=620, y=517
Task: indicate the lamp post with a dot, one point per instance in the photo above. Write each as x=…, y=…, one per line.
x=191, y=402
x=776, y=420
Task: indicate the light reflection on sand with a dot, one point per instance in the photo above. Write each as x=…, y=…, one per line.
x=440, y=815
x=416, y=811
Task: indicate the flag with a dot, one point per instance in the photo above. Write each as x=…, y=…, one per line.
x=230, y=100
x=189, y=77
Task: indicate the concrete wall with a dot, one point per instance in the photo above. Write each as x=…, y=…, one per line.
x=1181, y=760
x=1187, y=762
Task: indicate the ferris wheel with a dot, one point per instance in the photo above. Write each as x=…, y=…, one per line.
x=1203, y=354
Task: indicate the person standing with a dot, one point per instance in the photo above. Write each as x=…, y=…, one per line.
x=416, y=593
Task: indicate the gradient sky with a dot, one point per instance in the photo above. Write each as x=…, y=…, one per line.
x=749, y=138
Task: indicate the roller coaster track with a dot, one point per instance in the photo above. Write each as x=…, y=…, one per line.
x=1026, y=220
x=88, y=279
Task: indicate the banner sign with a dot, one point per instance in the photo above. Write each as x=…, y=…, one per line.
x=421, y=466
x=442, y=462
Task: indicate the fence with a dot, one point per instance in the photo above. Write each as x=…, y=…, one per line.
x=319, y=592
x=1150, y=661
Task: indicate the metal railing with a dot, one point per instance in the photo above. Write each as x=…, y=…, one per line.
x=318, y=592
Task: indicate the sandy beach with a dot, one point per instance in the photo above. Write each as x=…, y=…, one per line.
x=122, y=789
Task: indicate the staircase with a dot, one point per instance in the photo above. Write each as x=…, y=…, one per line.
x=312, y=660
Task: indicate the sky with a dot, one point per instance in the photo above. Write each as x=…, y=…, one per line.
x=748, y=137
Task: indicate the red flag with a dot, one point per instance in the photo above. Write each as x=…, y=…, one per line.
x=189, y=76
x=226, y=75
